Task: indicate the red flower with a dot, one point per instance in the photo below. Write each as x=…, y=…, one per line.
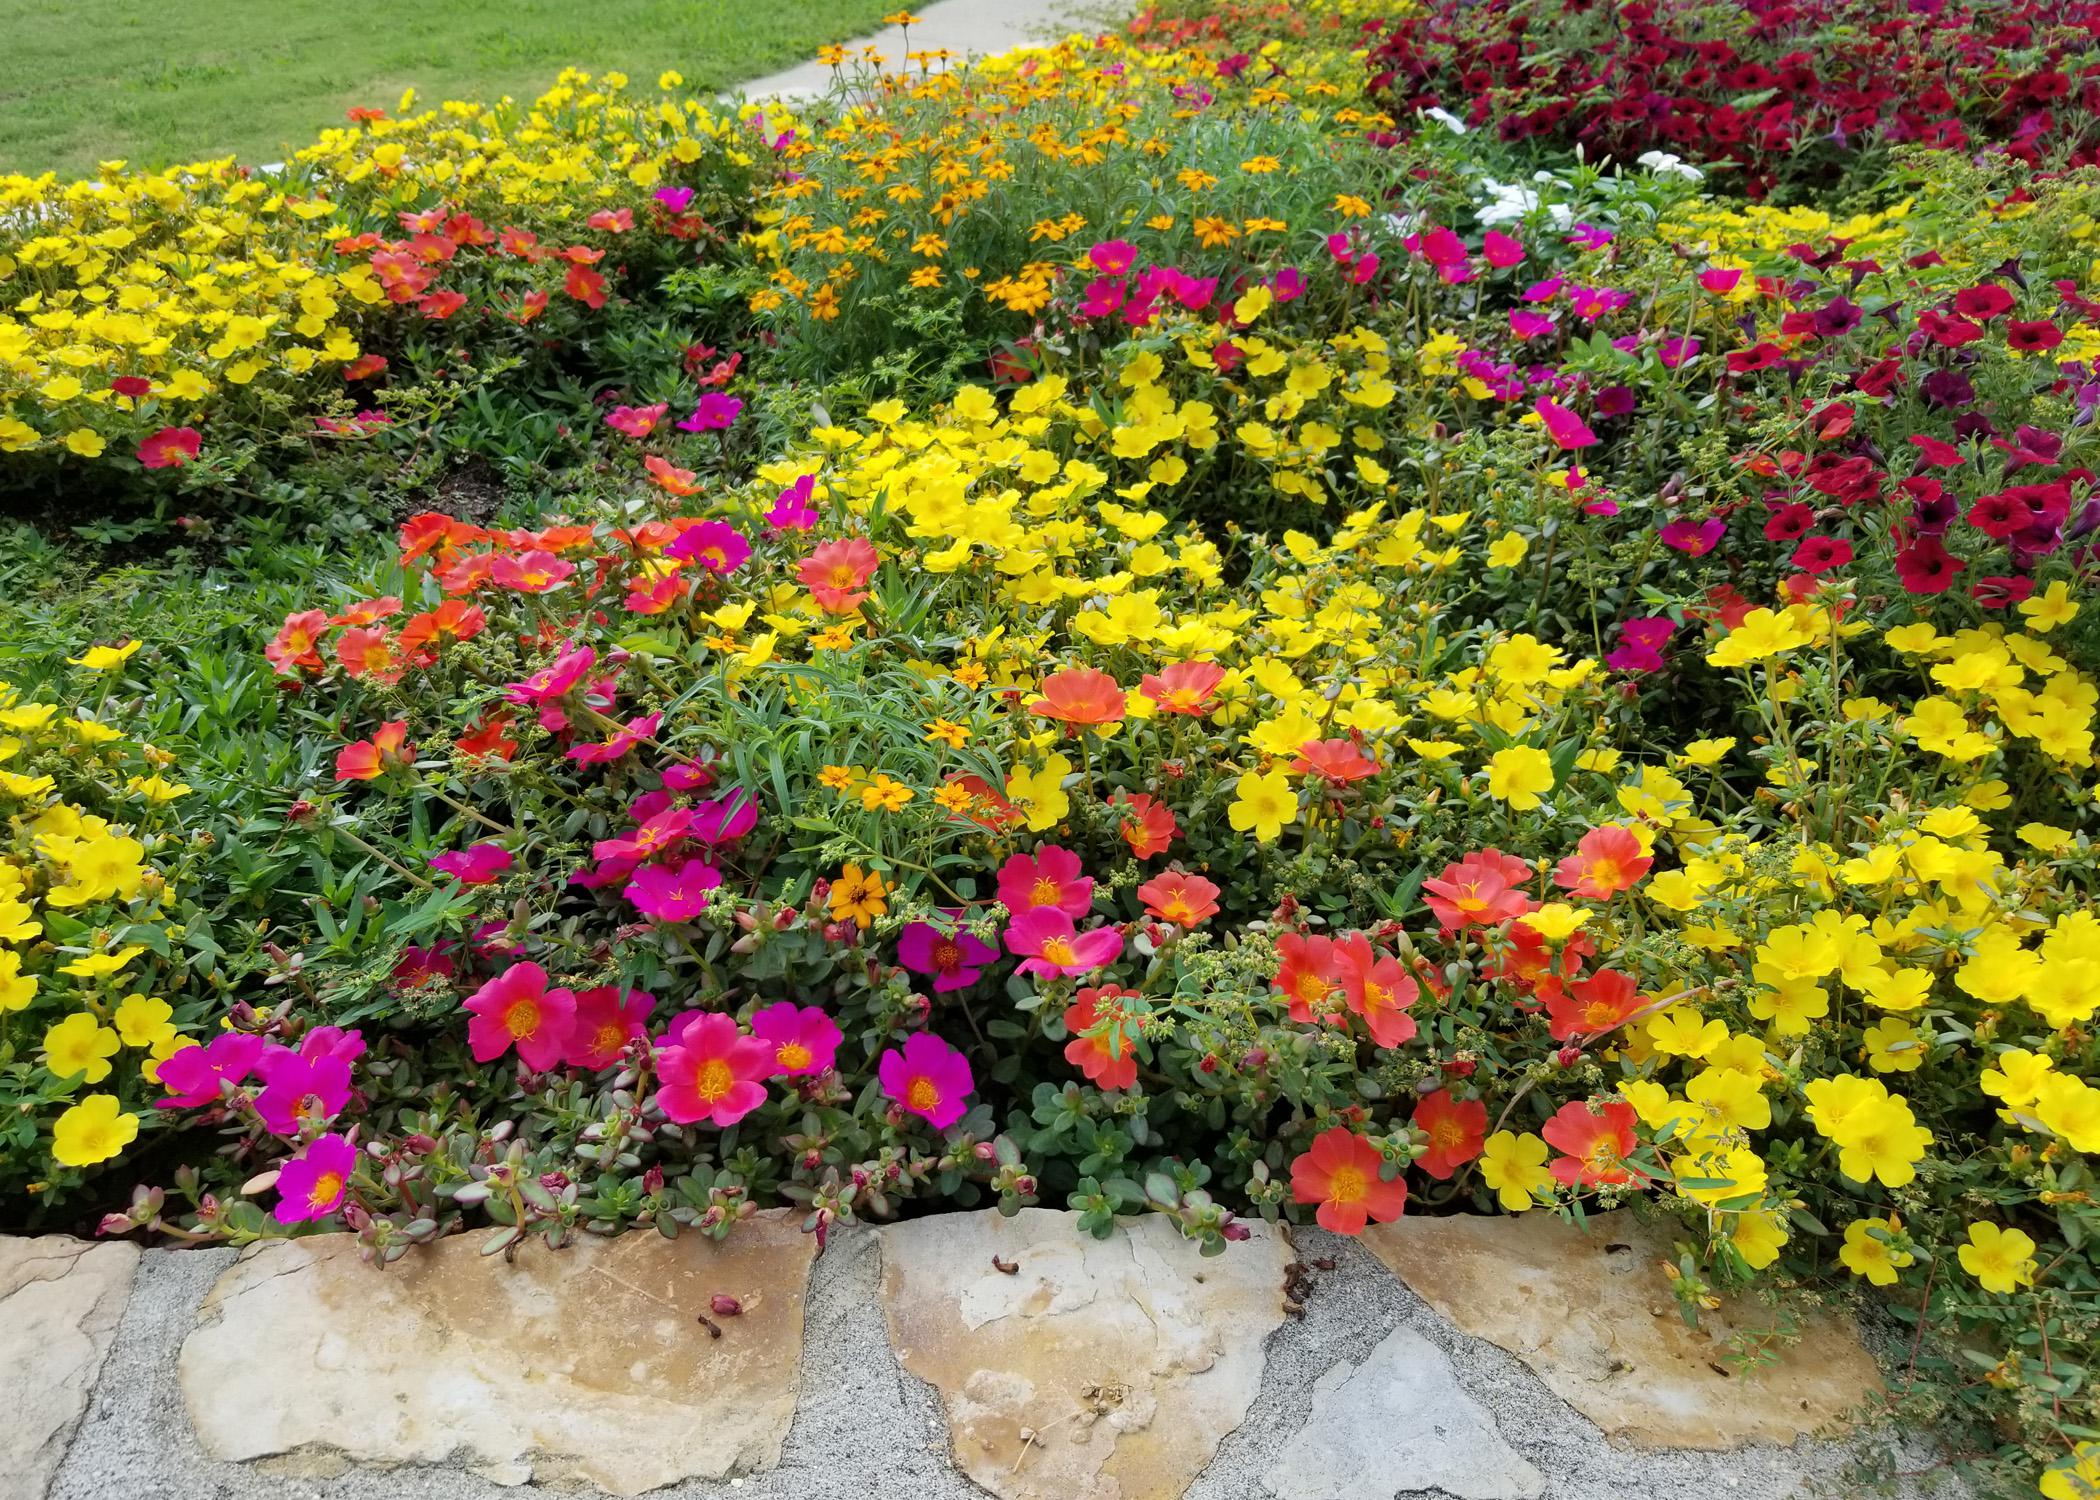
x=1108, y=1059
x=1927, y=567
x=1308, y=975
x=364, y=651
x=1593, y=1006
x=1822, y=554
x=586, y=286
x=1456, y=1129
x=1595, y=1140
x=1343, y=1174
x=1479, y=891
x=170, y=448
x=1337, y=761
x=1607, y=861
x=1377, y=989
x=1983, y=302
x=1147, y=825
x=1080, y=695
x=1177, y=897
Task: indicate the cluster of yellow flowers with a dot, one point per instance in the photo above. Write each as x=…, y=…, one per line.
x=83, y=910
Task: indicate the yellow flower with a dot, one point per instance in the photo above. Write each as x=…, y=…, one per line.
x=16, y=988
x=142, y=1020
x=2077, y=1480
x=1514, y=1168
x=1508, y=549
x=94, y=1130
x=103, y=658
x=1999, y=1259
x=79, y=1047
x=1763, y=634
x=1868, y=1250
x=101, y=965
x=1263, y=805
x=857, y=896
x=1758, y=1236
x=2052, y=607
x=1519, y=776
x=1894, y=1046
x=1556, y=921
x=1040, y=794
x=885, y=794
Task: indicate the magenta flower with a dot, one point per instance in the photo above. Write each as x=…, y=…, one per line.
x=1589, y=237
x=1640, y=644
x=1054, y=948
x=725, y=819
x=1529, y=325
x=477, y=864
x=687, y=778
x=554, y=681
x=792, y=510
x=1288, y=284
x=715, y=413
x=928, y=1078
x=1694, y=538
x=618, y=743
x=673, y=895
x=312, y=1184
x=711, y=1071
x=675, y=199
x=300, y=1091
x=1720, y=282
x=802, y=1038
x=954, y=960
x=516, y=1009
x=607, y=1019
x=714, y=545
x=1113, y=256
x=656, y=833
x=194, y=1075
x=1051, y=878
x=1563, y=426
x=1502, y=251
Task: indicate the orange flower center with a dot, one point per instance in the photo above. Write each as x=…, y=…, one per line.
x=1059, y=952
x=713, y=1080
x=922, y=1095
x=794, y=1055
x=1603, y=1156
x=946, y=956
x=1347, y=1185
x=610, y=1039
x=1177, y=911
x=1447, y=1133
x=1311, y=987
x=1605, y=871
x=523, y=1019
x=326, y=1189
x=1044, y=892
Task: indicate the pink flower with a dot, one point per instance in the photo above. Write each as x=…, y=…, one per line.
x=928, y=1078
x=1529, y=325
x=477, y=864
x=1502, y=251
x=802, y=1039
x=1695, y=538
x=1720, y=282
x=193, y=1076
x=301, y=1091
x=312, y=1184
x=714, y=545
x=954, y=960
x=636, y=421
x=607, y=1019
x=533, y=572
x=1053, y=947
x=711, y=1071
x=170, y=448
x=673, y=895
x=516, y=1009
x=654, y=835
x=1052, y=877
x=714, y=413
x=836, y=574
x=1640, y=644
x=1563, y=426
x=553, y=682
x=618, y=743
x=1113, y=256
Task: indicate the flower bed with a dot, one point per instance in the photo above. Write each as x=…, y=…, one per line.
x=1271, y=665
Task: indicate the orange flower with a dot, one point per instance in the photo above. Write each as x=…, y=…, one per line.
x=1378, y=989
x=1180, y=898
x=1308, y=975
x=1456, y=1129
x=1595, y=1140
x=1148, y=826
x=1342, y=1173
x=668, y=477
x=1607, y=861
x=1338, y=761
x=366, y=760
x=1080, y=695
x=1109, y=1058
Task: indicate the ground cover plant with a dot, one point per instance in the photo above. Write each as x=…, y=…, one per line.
x=1150, y=626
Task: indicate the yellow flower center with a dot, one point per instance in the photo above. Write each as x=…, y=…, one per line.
x=714, y=1079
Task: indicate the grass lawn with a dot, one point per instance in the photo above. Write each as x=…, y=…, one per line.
x=83, y=81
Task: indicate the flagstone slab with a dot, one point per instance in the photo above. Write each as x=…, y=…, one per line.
x=1396, y=1424
x=1074, y=1368
x=1592, y=1314
x=587, y=1363
x=60, y=1299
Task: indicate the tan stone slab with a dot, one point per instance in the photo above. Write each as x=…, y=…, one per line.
x=1593, y=1315
x=1096, y=1370
x=60, y=1300
x=588, y=1362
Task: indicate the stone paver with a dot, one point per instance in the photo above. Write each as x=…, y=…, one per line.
x=1592, y=1314
x=965, y=28
x=588, y=1362
x=60, y=1300
x=1397, y=1423
x=1073, y=1368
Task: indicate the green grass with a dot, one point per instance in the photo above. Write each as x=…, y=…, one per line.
x=83, y=81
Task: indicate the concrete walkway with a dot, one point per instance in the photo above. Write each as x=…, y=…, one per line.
x=963, y=27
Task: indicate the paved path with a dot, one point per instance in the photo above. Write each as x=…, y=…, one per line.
x=964, y=27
